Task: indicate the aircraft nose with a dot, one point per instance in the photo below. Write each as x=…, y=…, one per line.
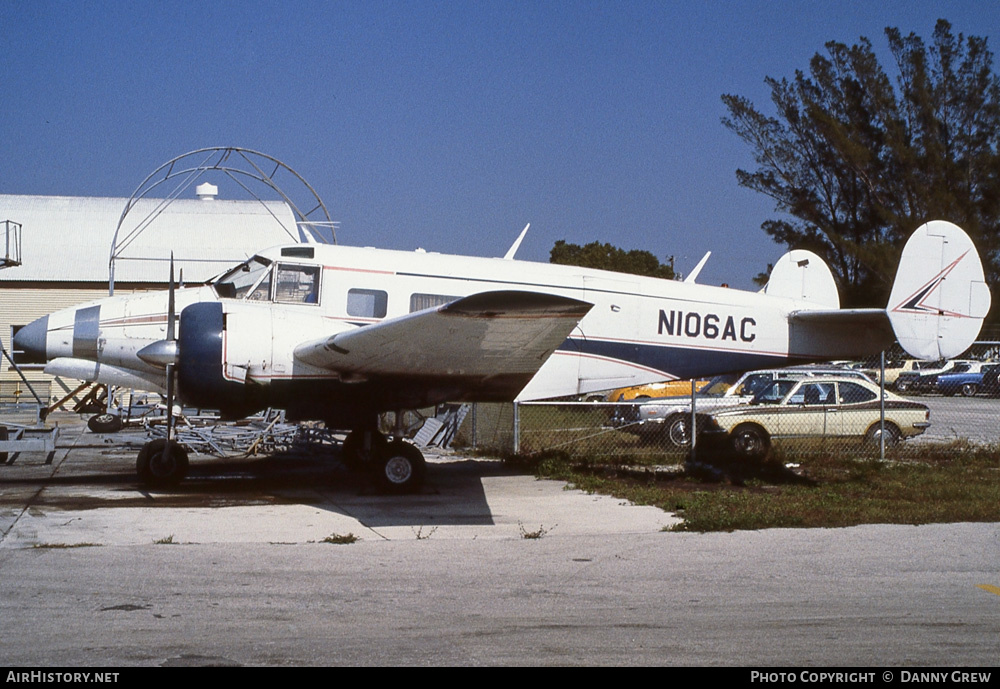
x=31, y=340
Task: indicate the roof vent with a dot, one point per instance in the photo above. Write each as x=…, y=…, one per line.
x=206, y=191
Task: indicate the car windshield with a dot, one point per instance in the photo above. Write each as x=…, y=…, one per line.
x=718, y=386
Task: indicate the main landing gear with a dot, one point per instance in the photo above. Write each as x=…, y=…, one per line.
x=396, y=465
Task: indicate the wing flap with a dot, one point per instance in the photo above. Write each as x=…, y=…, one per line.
x=491, y=334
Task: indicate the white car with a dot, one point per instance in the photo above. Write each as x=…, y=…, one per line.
x=817, y=407
x=671, y=417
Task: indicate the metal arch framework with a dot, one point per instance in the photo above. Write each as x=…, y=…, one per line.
x=227, y=160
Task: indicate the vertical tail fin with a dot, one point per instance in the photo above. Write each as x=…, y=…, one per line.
x=940, y=296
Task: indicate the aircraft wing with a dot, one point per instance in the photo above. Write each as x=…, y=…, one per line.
x=496, y=340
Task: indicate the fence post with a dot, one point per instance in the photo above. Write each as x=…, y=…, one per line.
x=517, y=428
x=881, y=407
x=694, y=425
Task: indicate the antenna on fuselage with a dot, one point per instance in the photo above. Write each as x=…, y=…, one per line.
x=509, y=256
x=697, y=269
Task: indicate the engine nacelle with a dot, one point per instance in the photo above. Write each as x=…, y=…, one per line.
x=200, y=370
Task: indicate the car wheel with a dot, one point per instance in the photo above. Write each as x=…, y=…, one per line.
x=902, y=385
x=679, y=430
x=892, y=436
x=750, y=441
x=970, y=389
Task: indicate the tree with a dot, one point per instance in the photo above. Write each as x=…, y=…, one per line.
x=608, y=257
x=857, y=164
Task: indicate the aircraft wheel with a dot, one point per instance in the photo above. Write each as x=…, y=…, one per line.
x=892, y=436
x=679, y=430
x=401, y=468
x=970, y=389
x=105, y=423
x=159, y=468
x=352, y=452
x=750, y=441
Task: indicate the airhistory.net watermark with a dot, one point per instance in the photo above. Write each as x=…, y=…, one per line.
x=33, y=676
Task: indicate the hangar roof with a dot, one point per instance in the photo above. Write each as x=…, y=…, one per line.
x=68, y=239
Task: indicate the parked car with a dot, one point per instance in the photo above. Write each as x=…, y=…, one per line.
x=924, y=377
x=971, y=382
x=667, y=388
x=670, y=418
x=893, y=369
x=816, y=407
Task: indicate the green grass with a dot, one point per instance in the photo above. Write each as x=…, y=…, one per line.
x=944, y=484
x=341, y=539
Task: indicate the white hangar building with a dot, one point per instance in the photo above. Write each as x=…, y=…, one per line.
x=65, y=247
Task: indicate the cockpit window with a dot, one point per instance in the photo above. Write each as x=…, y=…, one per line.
x=297, y=284
x=250, y=280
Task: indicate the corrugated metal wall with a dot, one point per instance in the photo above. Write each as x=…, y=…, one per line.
x=21, y=305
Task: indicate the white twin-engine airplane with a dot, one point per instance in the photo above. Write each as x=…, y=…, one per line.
x=341, y=334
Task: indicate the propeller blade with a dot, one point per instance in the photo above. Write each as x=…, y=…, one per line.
x=170, y=301
x=171, y=337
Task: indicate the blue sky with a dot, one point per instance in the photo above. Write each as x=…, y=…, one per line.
x=442, y=125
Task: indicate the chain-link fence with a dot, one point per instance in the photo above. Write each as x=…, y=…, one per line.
x=792, y=417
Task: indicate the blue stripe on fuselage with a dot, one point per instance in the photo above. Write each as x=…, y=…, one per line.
x=676, y=361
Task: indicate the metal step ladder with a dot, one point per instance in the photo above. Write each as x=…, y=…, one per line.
x=440, y=429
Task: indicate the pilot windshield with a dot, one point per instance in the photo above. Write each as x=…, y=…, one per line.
x=250, y=280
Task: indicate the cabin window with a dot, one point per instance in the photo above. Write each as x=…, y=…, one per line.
x=419, y=302
x=367, y=303
x=297, y=284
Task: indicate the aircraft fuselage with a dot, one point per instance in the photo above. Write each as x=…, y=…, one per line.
x=248, y=324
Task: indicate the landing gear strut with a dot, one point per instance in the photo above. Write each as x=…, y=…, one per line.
x=396, y=466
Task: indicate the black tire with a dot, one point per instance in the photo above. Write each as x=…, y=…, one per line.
x=105, y=423
x=678, y=430
x=157, y=468
x=892, y=436
x=970, y=389
x=902, y=385
x=750, y=441
x=352, y=452
x=401, y=468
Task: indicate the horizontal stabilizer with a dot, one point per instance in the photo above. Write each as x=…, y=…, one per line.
x=504, y=335
x=840, y=333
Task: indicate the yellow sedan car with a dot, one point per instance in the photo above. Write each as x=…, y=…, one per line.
x=817, y=408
